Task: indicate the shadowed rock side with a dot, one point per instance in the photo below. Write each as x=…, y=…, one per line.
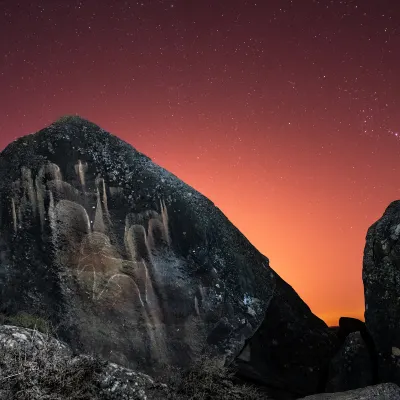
x=351, y=368
x=124, y=258
x=381, y=276
x=348, y=325
x=292, y=348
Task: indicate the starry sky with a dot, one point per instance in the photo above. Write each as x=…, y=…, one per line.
x=284, y=113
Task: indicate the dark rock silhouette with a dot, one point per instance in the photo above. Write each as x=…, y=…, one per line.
x=130, y=263
x=349, y=325
x=351, y=368
x=292, y=348
x=381, y=277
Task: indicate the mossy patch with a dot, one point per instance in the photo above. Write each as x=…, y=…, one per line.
x=68, y=118
x=29, y=321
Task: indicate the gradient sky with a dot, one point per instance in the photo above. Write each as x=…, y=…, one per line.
x=284, y=113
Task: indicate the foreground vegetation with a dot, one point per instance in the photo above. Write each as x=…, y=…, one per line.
x=45, y=373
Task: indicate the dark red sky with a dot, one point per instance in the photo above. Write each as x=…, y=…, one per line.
x=284, y=113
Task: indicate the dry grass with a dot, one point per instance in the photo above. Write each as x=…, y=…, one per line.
x=46, y=374
x=207, y=380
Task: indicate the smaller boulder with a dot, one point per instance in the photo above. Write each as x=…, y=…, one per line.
x=351, y=368
x=349, y=325
x=388, y=391
x=30, y=341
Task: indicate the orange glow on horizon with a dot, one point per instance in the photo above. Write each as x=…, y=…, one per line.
x=316, y=246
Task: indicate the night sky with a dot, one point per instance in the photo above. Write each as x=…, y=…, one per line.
x=284, y=113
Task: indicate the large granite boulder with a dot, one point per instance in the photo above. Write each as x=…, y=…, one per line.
x=292, y=348
x=351, y=368
x=128, y=262
x=125, y=259
x=381, y=276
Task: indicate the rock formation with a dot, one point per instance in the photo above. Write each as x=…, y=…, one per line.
x=381, y=276
x=130, y=263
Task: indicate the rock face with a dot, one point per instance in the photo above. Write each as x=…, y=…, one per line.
x=292, y=348
x=352, y=367
x=126, y=260
x=381, y=276
x=30, y=340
